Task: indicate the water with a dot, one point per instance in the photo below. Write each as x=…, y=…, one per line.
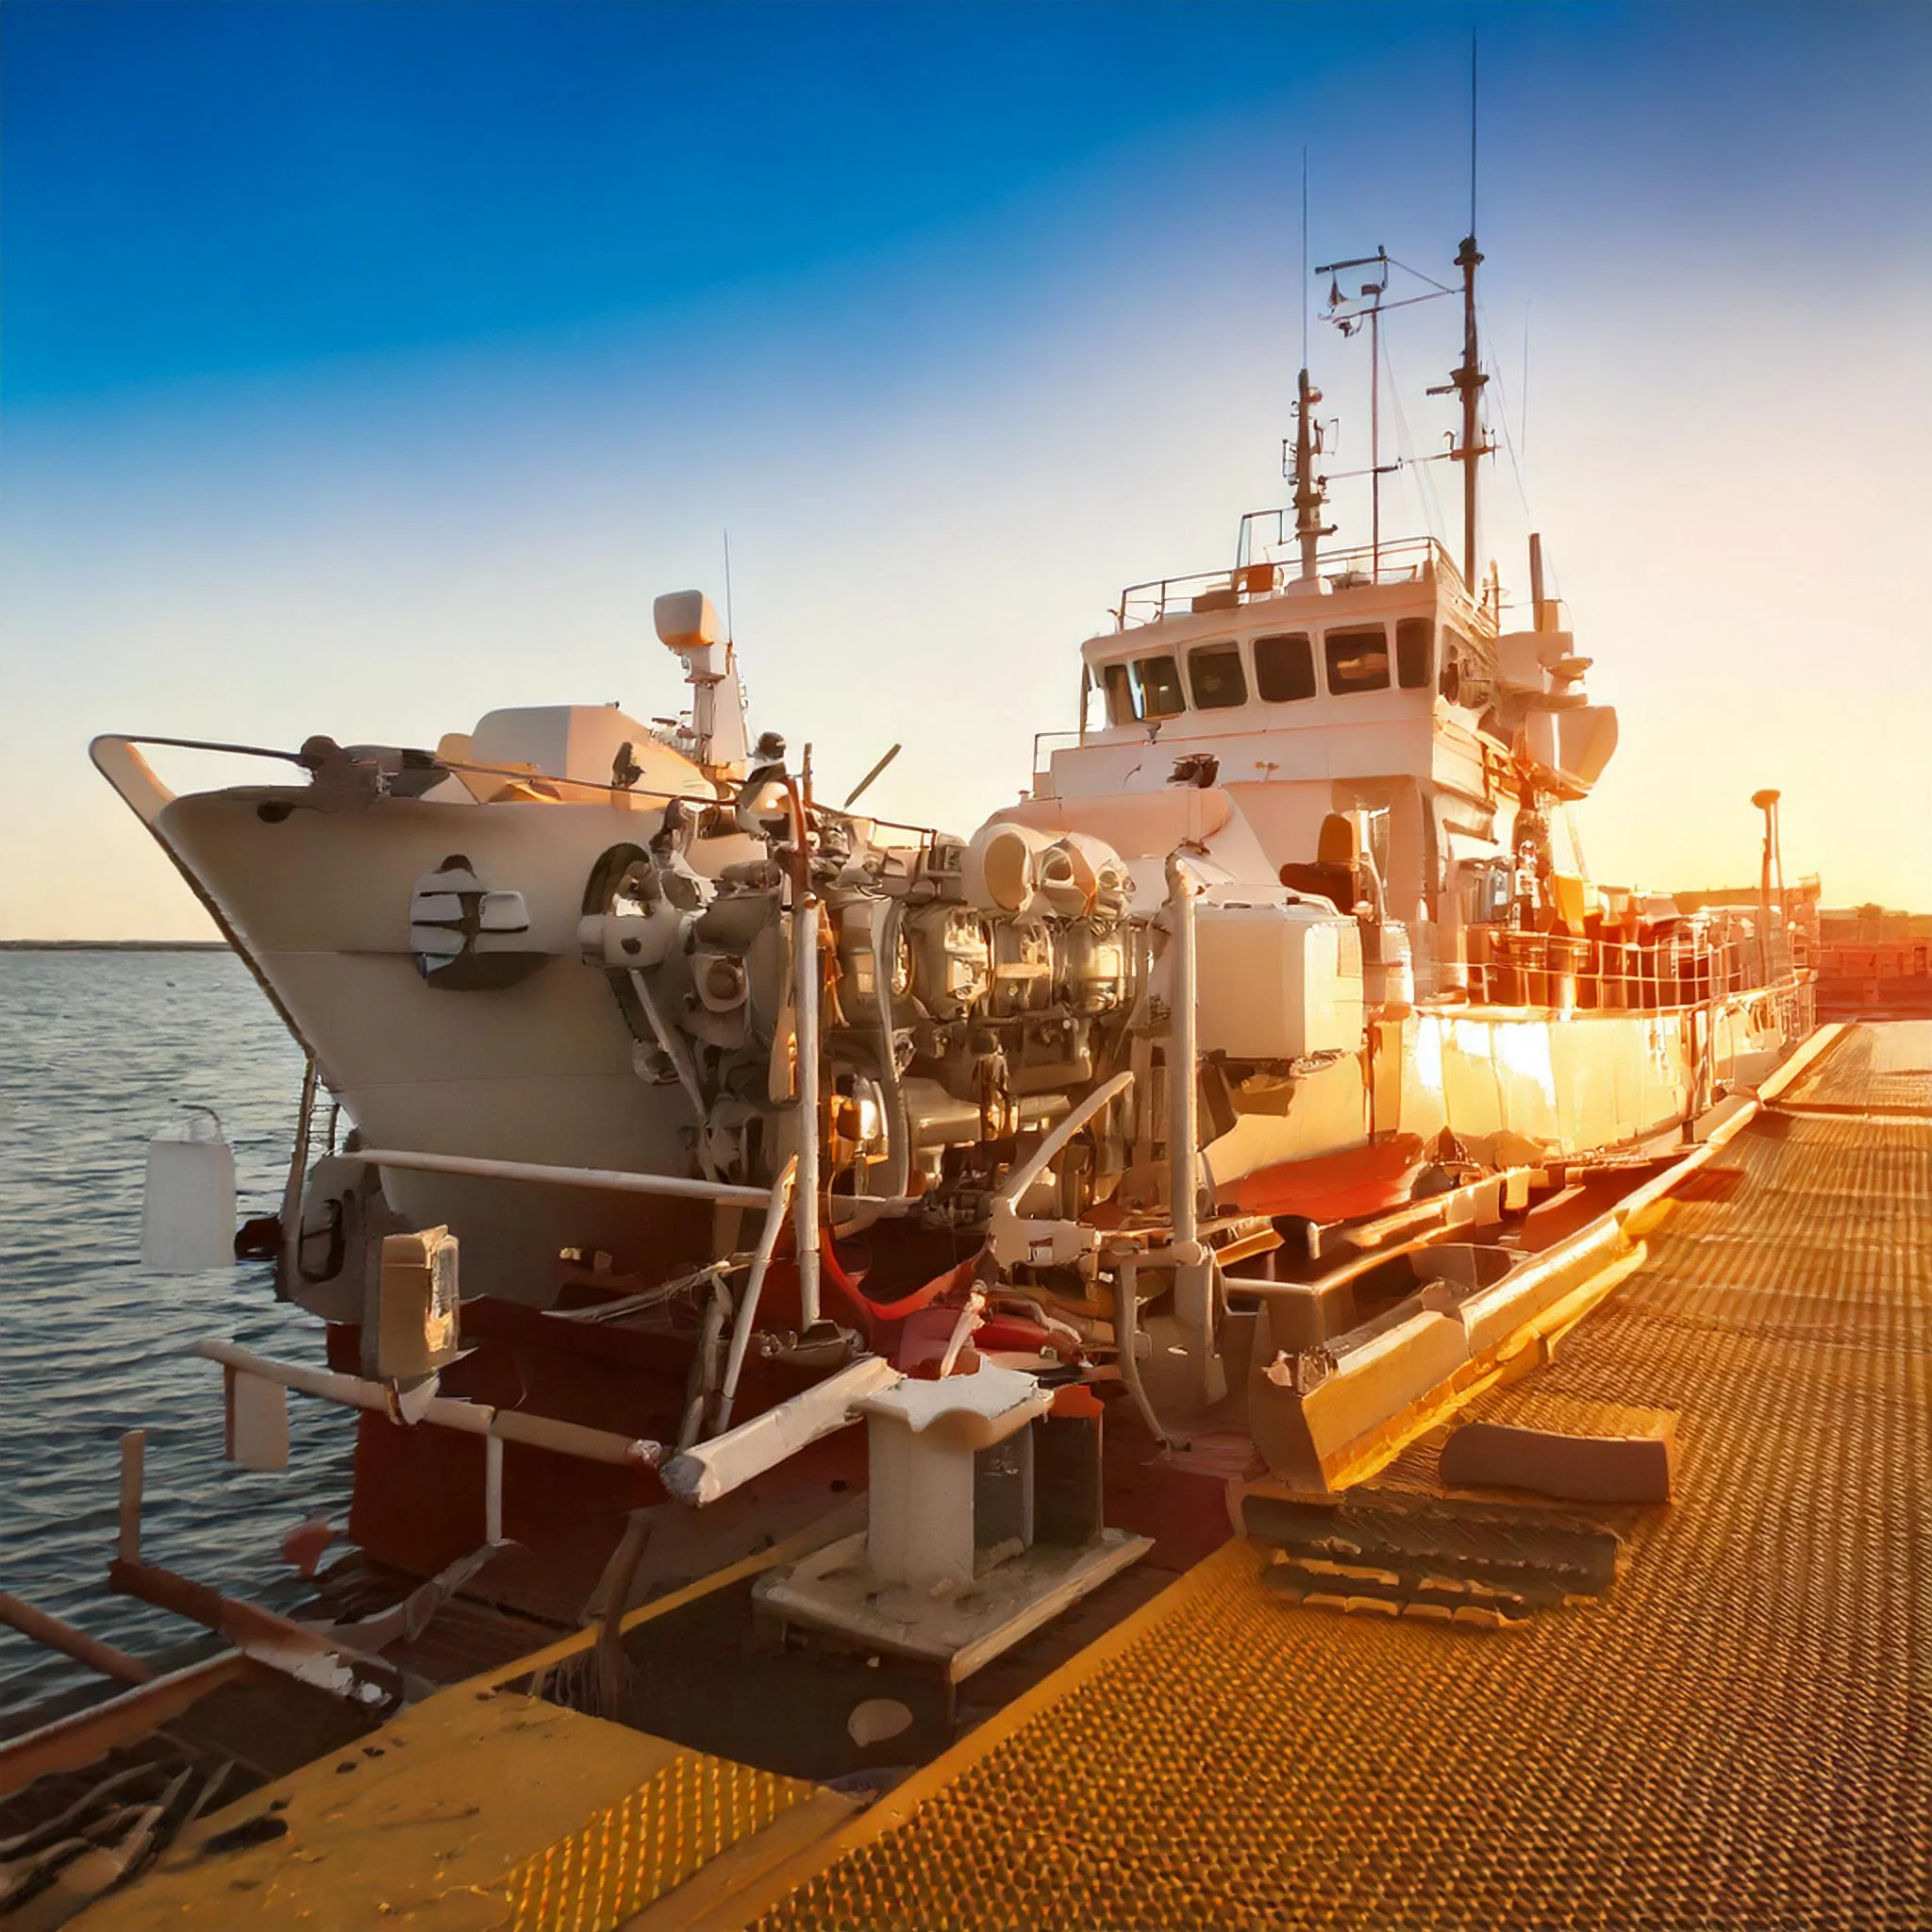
x=98, y=1052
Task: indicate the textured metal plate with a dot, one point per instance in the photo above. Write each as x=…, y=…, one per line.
x=647, y=1844
x=1738, y=1735
x=1876, y=1069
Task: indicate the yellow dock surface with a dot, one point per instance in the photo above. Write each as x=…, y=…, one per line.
x=480, y=1808
x=1737, y=1732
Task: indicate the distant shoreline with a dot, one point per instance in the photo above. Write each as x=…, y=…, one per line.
x=113, y=945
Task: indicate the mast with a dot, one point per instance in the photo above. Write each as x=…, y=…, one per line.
x=1346, y=316
x=1309, y=527
x=1468, y=377
x=1376, y=444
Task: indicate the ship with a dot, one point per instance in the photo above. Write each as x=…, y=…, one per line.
x=672, y=1119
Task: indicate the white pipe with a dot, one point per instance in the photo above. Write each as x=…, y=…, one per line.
x=609, y=1180
x=443, y=1412
x=1126, y=1329
x=804, y=942
x=713, y=1469
x=963, y=1325
x=1195, y=1275
x=885, y=934
x=748, y=1305
x=705, y=1369
x=859, y=1211
x=1181, y=1058
x=1016, y=1184
x=674, y=1048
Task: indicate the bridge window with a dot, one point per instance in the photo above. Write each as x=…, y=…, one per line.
x=1214, y=673
x=1413, y=637
x=1147, y=688
x=1358, y=659
x=1285, y=667
x=1159, y=679
x=1092, y=702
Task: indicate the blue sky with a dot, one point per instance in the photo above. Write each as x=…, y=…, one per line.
x=366, y=365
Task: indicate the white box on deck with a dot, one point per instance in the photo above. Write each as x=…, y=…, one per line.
x=418, y=1330
x=1276, y=981
x=574, y=741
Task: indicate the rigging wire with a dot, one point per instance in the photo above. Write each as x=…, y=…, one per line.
x=1442, y=286
x=1405, y=443
x=1503, y=416
x=1522, y=401
x=1305, y=298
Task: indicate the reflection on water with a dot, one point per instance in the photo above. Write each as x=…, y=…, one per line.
x=98, y=1051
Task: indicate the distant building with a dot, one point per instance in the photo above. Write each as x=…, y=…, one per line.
x=1874, y=962
x=1799, y=900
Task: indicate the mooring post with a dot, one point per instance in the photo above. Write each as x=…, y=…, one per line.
x=133, y=1460
x=492, y=1489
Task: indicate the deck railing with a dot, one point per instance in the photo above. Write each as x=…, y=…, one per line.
x=1666, y=974
x=1411, y=560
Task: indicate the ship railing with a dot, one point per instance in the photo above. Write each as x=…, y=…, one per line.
x=1044, y=745
x=1260, y=573
x=1671, y=973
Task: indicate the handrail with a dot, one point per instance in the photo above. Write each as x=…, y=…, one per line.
x=1039, y=738
x=1408, y=560
x=251, y=751
x=925, y=833
x=306, y=763
x=607, y=1179
x=442, y=1411
x=1668, y=975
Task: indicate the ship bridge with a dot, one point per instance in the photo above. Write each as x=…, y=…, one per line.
x=1298, y=696
x=1212, y=660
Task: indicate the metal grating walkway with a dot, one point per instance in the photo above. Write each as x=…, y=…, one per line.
x=1738, y=1735
x=1871, y=1069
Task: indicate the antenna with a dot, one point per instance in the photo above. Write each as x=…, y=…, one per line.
x=1345, y=312
x=1305, y=258
x=730, y=629
x=1472, y=130
x=1467, y=377
x=1522, y=406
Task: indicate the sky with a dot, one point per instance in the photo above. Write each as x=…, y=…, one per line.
x=364, y=367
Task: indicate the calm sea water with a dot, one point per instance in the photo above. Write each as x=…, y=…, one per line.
x=98, y=1052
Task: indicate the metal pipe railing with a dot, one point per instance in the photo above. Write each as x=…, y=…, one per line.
x=495, y=1426
x=748, y=1303
x=605, y=1180
x=1181, y=1069
x=1533, y=969
x=1403, y=561
x=1013, y=1188
x=442, y=1411
x=805, y=941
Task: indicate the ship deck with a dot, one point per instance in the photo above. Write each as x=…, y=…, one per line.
x=1720, y=1714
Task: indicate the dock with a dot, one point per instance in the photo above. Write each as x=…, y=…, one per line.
x=1416, y=1705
